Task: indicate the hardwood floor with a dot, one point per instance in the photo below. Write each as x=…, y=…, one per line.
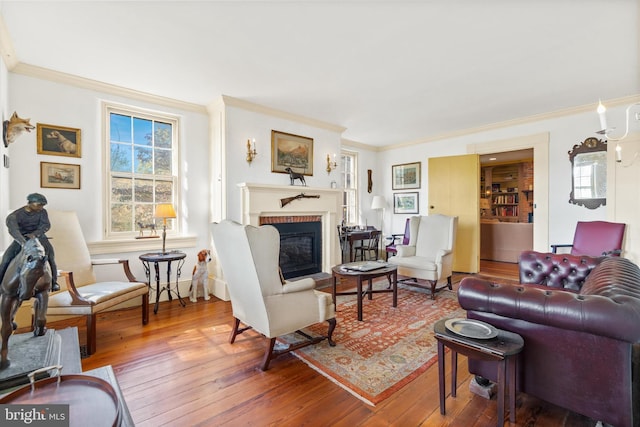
x=180, y=370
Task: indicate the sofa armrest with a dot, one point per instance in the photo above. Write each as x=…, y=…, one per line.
x=562, y=271
x=76, y=298
x=599, y=315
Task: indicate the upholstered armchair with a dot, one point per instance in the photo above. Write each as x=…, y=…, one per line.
x=595, y=238
x=429, y=254
x=260, y=298
x=82, y=294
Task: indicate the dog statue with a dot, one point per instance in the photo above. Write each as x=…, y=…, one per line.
x=200, y=276
x=295, y=175
x=64, y=144
x=13, y=127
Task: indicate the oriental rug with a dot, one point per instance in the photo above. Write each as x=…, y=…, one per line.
x=391, y=347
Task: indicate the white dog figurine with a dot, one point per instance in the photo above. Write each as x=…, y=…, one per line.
x=200, y=276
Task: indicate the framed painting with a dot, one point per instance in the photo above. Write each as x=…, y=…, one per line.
x=58, y=140
x=405, y=203
x=291, y=151
x=59, y=175
x=405, y=176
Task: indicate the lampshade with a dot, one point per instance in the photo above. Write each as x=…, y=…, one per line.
x=378, y=202
x=165, y=210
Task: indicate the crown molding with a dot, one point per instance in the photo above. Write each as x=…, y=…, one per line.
x=6, y=47
x=517, y=122
x=72, y=80
x=355, y=144
x=250, y=106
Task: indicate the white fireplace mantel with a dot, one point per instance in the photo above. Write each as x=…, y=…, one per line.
x=263, y=200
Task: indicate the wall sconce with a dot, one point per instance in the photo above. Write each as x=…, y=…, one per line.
x=331, y=165
x=164, y=211
x=602, y=113
x=251, y=153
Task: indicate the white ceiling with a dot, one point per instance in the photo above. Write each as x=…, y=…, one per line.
x=388, y=71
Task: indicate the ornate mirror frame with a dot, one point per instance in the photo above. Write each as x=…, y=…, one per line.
x=592, y=152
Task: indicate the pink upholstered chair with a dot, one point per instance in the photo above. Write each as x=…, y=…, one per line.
x=390, y=249
x=595, y=238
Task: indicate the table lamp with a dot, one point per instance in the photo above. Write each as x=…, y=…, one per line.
x=164, y=211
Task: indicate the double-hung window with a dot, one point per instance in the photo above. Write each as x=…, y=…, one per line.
x=142, y=158
x=349, y=184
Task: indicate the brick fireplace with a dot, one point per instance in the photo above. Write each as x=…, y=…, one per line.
x=260, y=204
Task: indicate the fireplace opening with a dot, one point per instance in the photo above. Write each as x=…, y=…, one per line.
x=300, y=248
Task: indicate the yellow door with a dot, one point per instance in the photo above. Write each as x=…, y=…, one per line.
x=454, y=189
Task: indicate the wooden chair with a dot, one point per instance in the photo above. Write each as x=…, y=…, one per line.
x=84, y=294
x=369, y=246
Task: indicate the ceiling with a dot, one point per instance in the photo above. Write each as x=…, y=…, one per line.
x=390, y=72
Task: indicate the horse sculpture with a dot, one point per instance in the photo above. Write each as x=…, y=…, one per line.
x=28, y=275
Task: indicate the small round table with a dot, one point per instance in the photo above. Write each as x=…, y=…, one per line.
x=156, y=258
x=348, y=270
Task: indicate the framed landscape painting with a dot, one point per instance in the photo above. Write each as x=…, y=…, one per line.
x=405, y=203
x=405, y=176
x=291, y=151
x=58, y=140
x=59, y=175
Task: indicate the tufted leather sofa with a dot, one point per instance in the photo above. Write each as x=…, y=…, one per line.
x=580, y=320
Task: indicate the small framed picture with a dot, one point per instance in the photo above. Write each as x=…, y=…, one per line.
x=58, y=140
x=59, y=175
x=405, y=176
x=293, y=152
x=405, y=203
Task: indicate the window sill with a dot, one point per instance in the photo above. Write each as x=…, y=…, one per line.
x=139, y=245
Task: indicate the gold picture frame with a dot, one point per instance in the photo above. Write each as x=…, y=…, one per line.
x=58, y=140
x=59, y=175
x=291, y=151
x=405, y=176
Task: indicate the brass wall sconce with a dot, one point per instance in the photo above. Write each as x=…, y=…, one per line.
x=251, y=152
x=606, y=131
x=331, y=165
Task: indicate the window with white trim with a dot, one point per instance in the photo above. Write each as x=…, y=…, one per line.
x=349, y=183
x=142, y=158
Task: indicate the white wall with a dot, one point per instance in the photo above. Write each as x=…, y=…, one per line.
x=61, y=104
x=4, y=172
x=564, y=132
x=242, y=124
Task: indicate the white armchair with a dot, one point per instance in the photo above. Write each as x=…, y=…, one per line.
x=429, y=254
x=260, y=299
x=84, y=294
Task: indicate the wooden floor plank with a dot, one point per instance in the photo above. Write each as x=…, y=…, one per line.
x=180, y=370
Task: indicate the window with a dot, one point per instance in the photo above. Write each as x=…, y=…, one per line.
x=141, y=155
x=348, y=174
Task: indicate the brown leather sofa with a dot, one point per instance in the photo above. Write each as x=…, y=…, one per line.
x=580, y=320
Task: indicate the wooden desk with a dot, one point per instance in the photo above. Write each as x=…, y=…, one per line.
x=357, y=235
x=502, y=349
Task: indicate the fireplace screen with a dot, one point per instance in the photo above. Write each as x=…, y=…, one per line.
x=300, y=248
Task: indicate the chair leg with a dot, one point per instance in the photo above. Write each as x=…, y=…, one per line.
x=234, y=331
x=449, y=285
x=145, y=309
x=433, y=284
x=332, y=327
x=91, y=334
x=268, y=354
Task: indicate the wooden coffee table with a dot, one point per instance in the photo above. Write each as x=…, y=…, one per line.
x=342, y=271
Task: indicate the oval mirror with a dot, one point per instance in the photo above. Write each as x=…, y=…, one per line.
x=589, y=173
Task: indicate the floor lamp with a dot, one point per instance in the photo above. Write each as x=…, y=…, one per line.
x=379, y=203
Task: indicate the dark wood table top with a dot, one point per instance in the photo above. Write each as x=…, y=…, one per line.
x=505, y=344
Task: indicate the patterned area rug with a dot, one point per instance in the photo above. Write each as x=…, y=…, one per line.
x=375, y=358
